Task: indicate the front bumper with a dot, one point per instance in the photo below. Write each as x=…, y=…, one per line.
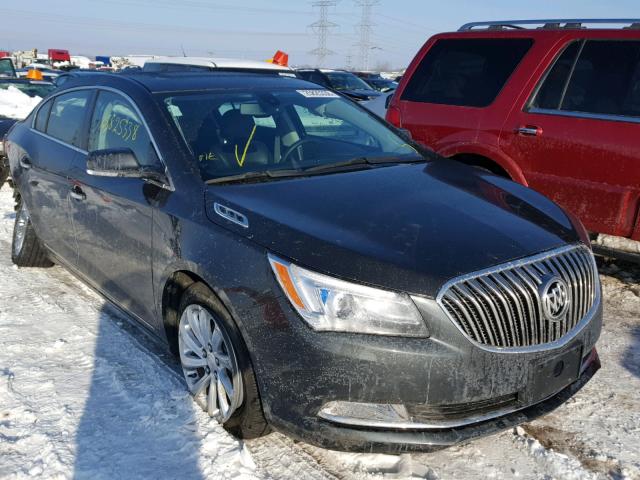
x=364, y=439
x=300, y=371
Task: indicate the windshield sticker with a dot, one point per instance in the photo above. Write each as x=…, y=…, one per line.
x=317, y=94
x=121, y=126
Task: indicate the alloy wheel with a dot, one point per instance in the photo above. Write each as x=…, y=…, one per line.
x=209, y=363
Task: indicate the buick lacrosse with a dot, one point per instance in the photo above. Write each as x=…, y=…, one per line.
x=314, y=270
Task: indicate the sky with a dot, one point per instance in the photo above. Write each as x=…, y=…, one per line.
x=255, y=29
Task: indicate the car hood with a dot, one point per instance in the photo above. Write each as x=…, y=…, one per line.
x=408, y=227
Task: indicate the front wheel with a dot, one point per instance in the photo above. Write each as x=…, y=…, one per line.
x=216, y=364
x=26, y=249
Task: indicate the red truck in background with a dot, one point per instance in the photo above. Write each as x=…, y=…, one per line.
x=57, y=55
x=555, y=107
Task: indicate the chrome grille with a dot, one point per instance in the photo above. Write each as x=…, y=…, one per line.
x=502, y=307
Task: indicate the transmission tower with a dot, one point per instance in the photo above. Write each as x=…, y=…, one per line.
x=321, y=29
x=365, y=27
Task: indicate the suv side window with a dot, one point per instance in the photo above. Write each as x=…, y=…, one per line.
x=43, y=116
x=466, y=72
x=606, y=79
x=115, y=124
x=67, y=116
x=550, y=93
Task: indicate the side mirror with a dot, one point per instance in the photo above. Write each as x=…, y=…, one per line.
x=120, y=162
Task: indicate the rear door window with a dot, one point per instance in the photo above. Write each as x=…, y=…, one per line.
x=465, y=72
x=115, y=124
x=550, y=93
x=606, y=79
x=43, y=116
x=67, y=117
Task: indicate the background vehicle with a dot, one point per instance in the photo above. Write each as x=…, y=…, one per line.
x=6, y=68
x=16, y=102
x=56, y=55
x=555, y=108
x=199, y=64
x=238, y=217
x=379, y=104
x=47, y=72
x=377, y=81
x=341, y=81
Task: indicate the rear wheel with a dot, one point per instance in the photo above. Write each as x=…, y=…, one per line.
x=26, y=249
x=216, y=364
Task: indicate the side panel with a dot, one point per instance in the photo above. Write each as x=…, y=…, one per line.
x=44, y=188
x=113, y=219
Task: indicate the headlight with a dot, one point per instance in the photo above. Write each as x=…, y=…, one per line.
x=329, y=304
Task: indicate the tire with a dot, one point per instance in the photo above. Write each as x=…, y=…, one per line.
x=26, y=249
x=202, y=315
x=4, y=171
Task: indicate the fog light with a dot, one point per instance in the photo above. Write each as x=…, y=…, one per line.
x=365, y=414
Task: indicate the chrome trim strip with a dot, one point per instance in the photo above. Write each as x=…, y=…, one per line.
x=562, y=341
x=117, y=92
x=232, y=215
x=497, y=23
x=585, y=115
x=60, y=142
x=408, y=425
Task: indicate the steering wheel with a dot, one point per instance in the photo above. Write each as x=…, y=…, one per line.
x=293, y=148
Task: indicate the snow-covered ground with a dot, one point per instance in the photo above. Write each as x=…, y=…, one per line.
x=16, y=104
x=84, y=394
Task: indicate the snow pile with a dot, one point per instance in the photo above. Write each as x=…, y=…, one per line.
x=16, y=104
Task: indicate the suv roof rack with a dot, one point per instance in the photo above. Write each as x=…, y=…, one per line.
x=568, y=23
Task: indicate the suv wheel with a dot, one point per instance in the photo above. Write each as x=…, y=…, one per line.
x=216, y=364
x=26, y=249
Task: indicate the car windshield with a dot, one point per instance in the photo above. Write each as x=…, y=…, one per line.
x=232, y=134
x=32, y=88
x=346, y=81
x=6, y=68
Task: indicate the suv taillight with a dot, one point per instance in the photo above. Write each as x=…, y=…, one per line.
x=393, y=116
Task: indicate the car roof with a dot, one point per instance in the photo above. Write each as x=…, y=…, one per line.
x=187, y=81
x=219, y=62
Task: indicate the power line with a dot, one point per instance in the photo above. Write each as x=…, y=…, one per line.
x=366, y=25
x=321, y=29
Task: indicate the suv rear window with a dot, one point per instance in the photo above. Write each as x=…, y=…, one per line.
x=604, y=79
x=466, y=72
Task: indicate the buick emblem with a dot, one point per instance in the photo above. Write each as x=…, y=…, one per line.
x=555, y=299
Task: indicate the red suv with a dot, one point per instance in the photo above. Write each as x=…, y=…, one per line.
x=556, y=108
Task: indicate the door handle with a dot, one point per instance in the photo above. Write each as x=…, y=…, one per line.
x=77, y=194
x=530, y=130
x=25, y=163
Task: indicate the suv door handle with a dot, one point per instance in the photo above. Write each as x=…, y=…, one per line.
x=530, y=130
x=77, y=194
x=25, y=163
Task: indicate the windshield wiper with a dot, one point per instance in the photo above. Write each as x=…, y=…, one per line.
x=329, y=167
x=389, y=160
x=256, y=175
